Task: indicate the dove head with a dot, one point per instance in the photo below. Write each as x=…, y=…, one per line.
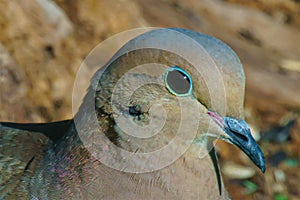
x=173, y=86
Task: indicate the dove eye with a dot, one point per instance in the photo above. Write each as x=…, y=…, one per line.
x=178, y=81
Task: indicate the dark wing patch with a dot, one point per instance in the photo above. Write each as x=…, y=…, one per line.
x=214, y=159
x=53, y=130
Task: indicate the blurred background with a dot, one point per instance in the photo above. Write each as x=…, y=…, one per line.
x=43, y=42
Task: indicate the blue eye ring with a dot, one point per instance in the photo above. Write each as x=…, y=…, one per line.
x=185, y=76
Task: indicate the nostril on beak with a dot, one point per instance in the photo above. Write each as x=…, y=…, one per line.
x=240, y=136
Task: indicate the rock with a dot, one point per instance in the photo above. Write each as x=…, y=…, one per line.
x=278, y=188
x=13, y=89
x=279, y=175
x=35, y=41
x=235, y=171
x=291, y=65
x=59, y=20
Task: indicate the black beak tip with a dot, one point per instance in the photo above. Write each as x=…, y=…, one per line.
x=262, y=168
x=258, y=157
x=262, y=165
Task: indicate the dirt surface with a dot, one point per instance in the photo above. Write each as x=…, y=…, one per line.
x=39, y=58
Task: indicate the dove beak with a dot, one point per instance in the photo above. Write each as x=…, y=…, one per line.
x=241, y=137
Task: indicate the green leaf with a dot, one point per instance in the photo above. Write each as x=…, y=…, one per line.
x=250, y=187
x=291, y=162
x=280, y=197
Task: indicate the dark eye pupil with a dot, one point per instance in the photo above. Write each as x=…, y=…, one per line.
x=178, y=82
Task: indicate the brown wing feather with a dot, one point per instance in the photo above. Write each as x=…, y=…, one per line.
x=20, y=153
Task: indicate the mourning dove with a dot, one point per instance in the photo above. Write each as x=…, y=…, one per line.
x=146, y=128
